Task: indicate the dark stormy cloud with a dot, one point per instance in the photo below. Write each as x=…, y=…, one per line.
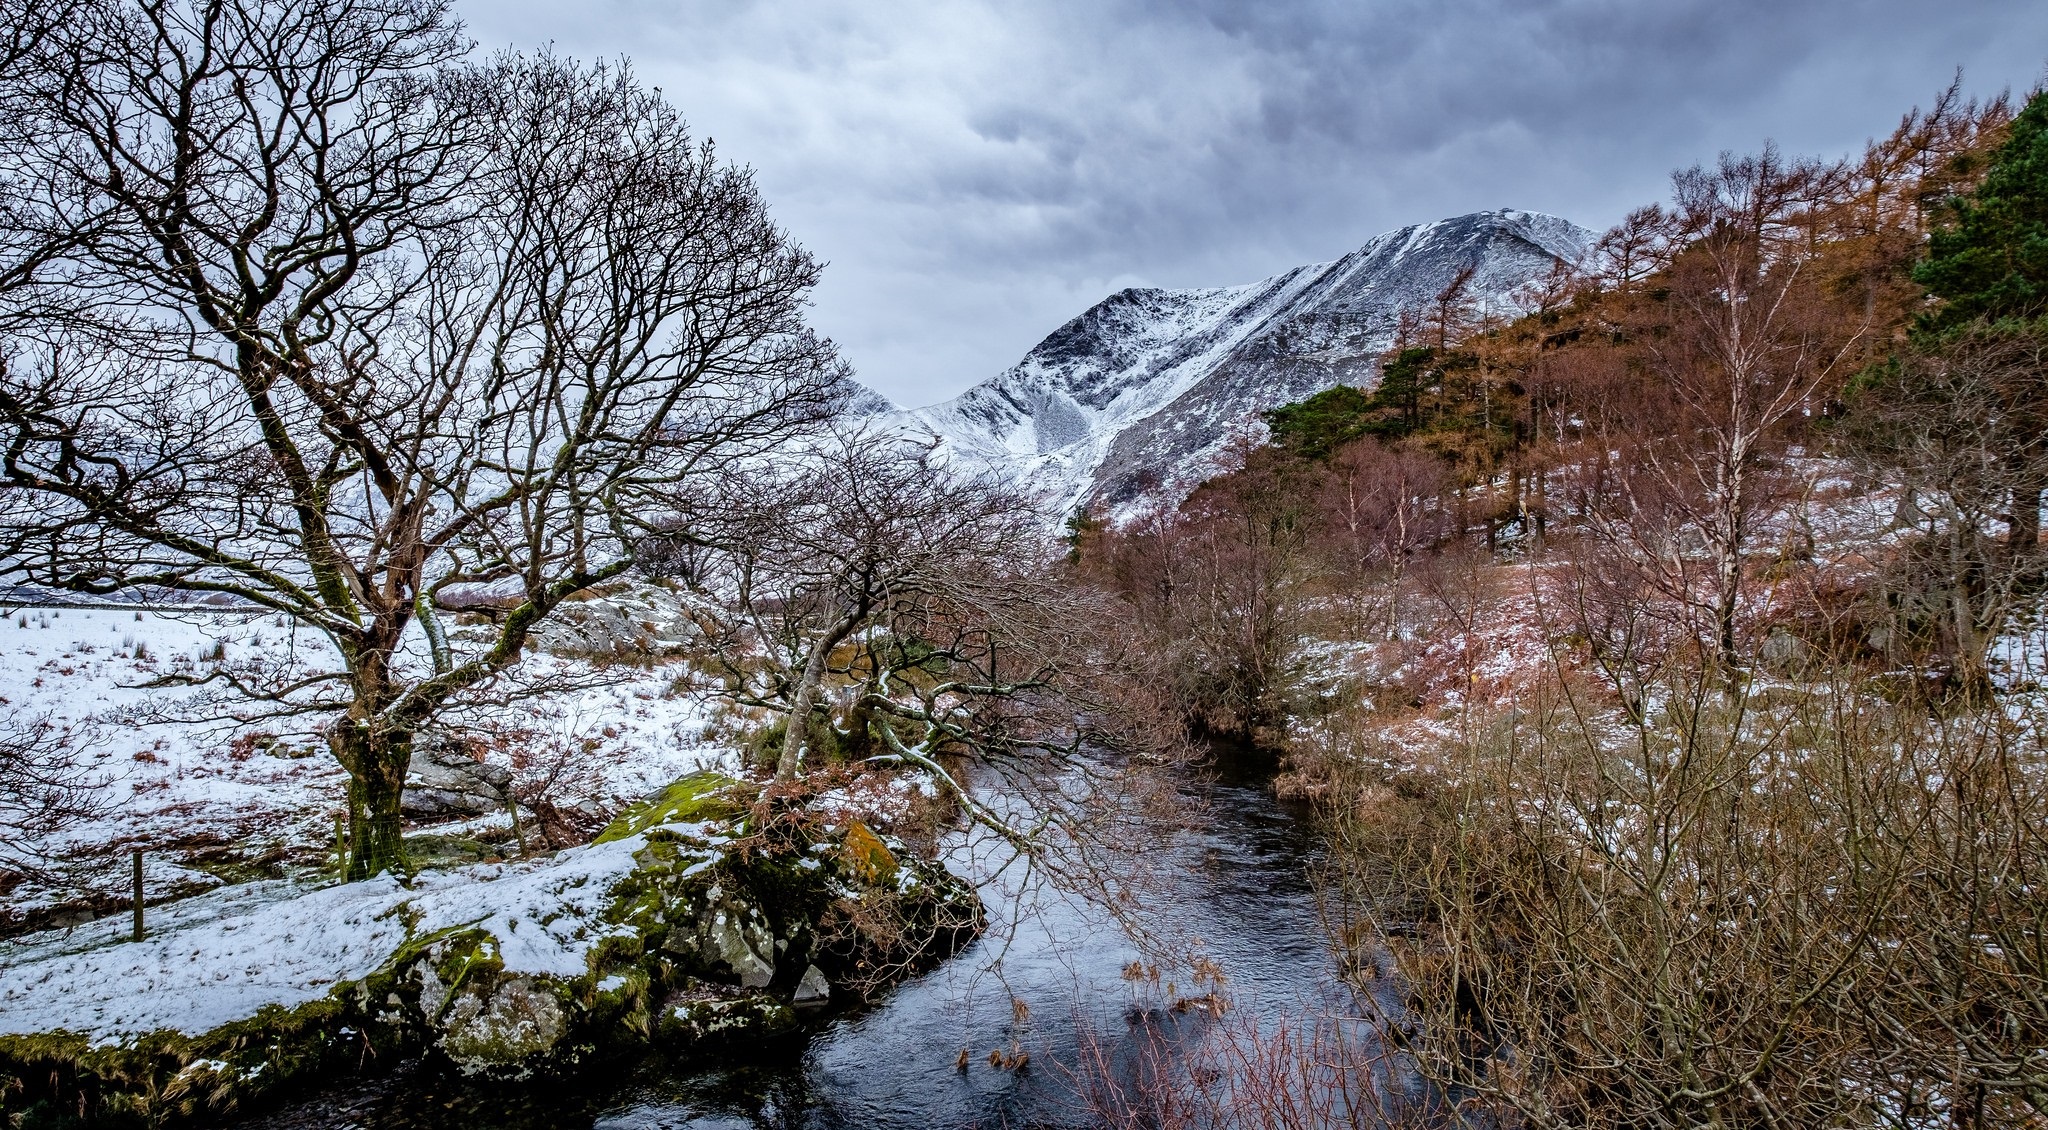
x=977, y=171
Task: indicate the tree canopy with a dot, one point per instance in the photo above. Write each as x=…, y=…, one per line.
x=1991, y=261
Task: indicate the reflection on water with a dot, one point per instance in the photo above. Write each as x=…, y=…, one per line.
x=1239, y=884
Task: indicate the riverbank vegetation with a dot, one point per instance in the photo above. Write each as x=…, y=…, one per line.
x=1665, y=660
x=439, y=398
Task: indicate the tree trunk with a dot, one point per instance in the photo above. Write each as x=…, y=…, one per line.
x=376, y=765
x=806, y=696
x=1969, y=675
x=1724, y=619
x=2023, y=538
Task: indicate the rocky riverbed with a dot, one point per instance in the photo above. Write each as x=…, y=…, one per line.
x=681, y=925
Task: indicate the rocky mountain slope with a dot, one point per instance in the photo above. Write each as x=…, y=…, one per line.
x=1136, y=399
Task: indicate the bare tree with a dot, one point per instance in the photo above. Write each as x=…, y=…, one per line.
x=1961, y=1007
x=820, y=548
x=1960, y=428
x=1379, y=509
x=46, y=788
x=375, y=326
x=913, y=617
x=1734, y=344
x=1216, y=588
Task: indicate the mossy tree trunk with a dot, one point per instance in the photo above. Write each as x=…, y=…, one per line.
x=805, y=697
x=376, y=788
x=376, y=757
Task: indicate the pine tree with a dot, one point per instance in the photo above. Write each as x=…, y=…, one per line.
x=1991, y=261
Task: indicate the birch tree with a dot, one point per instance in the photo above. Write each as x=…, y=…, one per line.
x=1733, y=343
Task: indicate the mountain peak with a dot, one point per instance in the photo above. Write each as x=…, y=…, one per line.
x=1132, y=401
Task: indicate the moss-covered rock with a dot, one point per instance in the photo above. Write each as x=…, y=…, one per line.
x=700, y=798
x=698, y=945
x=700, y=1011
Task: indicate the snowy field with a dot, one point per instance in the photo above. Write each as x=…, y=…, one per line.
x=222, y=956
x=211, y=800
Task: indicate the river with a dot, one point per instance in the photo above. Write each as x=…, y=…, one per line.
x=1239, y=883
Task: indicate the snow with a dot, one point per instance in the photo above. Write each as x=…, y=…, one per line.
x=85, y=670
x=197, y=976
x=223, y=956
x=1150, y=384
x=195, y=790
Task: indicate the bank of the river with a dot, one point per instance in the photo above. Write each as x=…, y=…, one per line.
x=676, y=928
x=1238, y=882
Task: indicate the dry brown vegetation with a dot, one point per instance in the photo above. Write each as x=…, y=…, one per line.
x=1643, y=655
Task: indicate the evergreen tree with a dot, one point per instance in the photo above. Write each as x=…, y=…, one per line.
x=1991, y=261
x=1316, y=427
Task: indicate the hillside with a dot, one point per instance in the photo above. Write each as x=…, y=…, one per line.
x=1134, y=399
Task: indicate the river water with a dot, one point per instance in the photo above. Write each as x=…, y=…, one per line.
x=1239, y=884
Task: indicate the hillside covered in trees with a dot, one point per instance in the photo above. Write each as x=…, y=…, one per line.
x=1667, y=660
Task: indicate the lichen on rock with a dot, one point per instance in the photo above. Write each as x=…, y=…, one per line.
x=509, y=1028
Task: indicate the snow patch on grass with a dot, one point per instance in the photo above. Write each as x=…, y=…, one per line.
x=222, y=956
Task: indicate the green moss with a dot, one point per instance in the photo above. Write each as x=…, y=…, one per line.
x=438, y=851
x=167, y=1075
x=792, y=895
x=697, y=798
x=508, y=1029
x=459, y=956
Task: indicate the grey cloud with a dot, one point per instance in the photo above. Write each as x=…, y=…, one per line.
x=977, y=171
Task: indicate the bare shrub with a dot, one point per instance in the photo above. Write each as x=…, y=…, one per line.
x=47, y=788
x=1217, y=1069
x=1217, y=592
x=1804, y=905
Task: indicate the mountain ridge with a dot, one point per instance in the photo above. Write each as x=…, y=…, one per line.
x=1132, y=401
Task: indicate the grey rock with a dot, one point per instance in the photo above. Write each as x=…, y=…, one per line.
x=1784, y=652
x=645, y=619
x=730, y=935
x=813, y=991
x=444, y=781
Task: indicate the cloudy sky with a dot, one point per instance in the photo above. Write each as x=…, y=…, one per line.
x=978, y=172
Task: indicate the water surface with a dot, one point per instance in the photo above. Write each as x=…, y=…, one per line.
x=1238, y=883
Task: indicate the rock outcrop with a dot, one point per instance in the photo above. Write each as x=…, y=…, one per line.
x=446, y=781
x=681, y=940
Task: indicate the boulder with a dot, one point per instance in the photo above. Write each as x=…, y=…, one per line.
x=813, y=991
x=1784, y=653
x=661, y=932
x=444, y=781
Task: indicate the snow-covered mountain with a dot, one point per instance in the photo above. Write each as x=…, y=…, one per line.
x=1135, y=399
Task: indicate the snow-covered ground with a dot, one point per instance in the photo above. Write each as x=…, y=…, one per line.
x=222, y=956
x=210, y=800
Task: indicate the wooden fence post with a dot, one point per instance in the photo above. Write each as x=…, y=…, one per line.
x=138, y=894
